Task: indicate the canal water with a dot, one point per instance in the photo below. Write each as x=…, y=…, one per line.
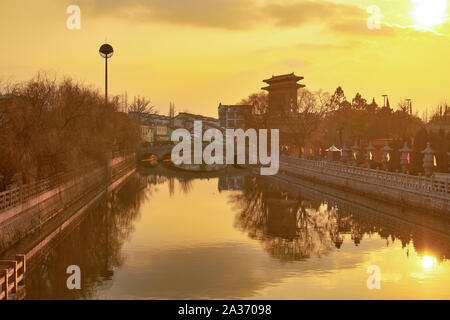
x=241, y=237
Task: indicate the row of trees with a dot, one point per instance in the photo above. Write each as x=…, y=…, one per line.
x=49, y=126
x=322, y=119
x=359, y=120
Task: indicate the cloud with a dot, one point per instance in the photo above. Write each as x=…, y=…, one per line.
x=225, y=14
x=337, y=18
x=358, y=27
x=299, y=13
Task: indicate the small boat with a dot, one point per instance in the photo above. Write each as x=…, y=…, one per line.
x=149, y=161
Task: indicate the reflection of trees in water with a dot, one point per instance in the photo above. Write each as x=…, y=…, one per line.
x=292, y=228
x=94, y=245
x=289, y=228
x=185, y=186
x=423, y=240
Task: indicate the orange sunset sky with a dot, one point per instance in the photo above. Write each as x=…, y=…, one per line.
x=198, y=53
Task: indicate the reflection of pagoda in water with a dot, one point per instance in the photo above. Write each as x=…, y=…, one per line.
x=292, y=228
x=281, y=219
x=286, y=226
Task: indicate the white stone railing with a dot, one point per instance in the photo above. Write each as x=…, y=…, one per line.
x=431, y=184
x=21, y=194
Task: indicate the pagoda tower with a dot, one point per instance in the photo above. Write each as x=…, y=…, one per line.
x=282, y=91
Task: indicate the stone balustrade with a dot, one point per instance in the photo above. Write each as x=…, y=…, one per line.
x=419, y=191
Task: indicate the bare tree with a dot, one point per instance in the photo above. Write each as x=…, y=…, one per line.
x=300, y=123
x=48, y=127
x=141, y=105
x=260, y=105
x=403, y=106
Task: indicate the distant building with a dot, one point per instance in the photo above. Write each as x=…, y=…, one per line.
x=282, y=110
x=157, y=129
x=152, y=127
x=162, y=134
x=234, y=116
x=185, y=119
x=161, y=130
x=282, y=91
x=146, y=133
x=150, y=118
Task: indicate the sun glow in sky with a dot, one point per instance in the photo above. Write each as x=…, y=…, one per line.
x=430, y=12
x=198, y=53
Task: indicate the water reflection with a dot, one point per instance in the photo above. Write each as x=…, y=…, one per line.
x=234, y=235
x=291, y=227
x=94, y=245
x=288, y=227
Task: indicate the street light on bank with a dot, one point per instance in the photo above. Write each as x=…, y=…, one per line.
x=106, y=51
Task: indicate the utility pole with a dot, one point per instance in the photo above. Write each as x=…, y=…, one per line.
x=409, y=105
x=384, y=97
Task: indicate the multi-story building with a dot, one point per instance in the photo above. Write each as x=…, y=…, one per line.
x=157, y=129
x=185, y=119
x=146, y=133
x=282, y=91
x=234, y=116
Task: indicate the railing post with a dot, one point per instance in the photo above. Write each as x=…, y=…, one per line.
x=21, y=258
x=420, y=180
x=446, y=185
x=4, y=276
x=14, y=276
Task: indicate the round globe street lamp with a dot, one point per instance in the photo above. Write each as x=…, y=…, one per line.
x=106, y=51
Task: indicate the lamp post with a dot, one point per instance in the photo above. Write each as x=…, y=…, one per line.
x=106, y=51
x=356, y=153
x=428, y=160
x=405, y=157
x=346, y=154
x=386, y=156
x=369, y=154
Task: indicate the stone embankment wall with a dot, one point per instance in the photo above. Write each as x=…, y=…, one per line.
x=424, y=193
x=26, y=209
